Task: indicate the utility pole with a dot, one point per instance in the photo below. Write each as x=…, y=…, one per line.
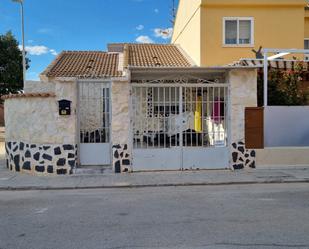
x=23, y=38
x=173, y=13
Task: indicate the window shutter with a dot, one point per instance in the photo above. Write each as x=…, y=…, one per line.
x=244, y=32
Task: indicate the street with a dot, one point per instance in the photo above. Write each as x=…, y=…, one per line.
x=220, y=217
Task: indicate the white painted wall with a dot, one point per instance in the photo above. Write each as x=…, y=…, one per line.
x=37, y=120
x=243, y=93
x=282, y=156
x=286, y=126
x=39, y=86
x=120, y=112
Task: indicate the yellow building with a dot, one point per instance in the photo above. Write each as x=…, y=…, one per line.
x=219, y=32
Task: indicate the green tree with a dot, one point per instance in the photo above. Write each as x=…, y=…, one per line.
x=11, y=69
x=283, y=87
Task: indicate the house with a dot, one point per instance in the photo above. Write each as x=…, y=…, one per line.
x=178, y=106
x=135, y=107
x=220, y=32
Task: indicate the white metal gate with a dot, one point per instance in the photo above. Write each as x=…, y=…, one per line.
x=94, y=123
x=179, y=126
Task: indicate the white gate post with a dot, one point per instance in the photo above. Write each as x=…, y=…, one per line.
x=265, y=79
x=181, y=125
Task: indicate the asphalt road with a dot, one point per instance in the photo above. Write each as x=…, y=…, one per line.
x=219, y=217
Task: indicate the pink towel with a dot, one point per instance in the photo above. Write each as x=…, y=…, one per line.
x=216, y=114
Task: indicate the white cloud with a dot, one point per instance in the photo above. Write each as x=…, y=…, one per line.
x=156, y=11
x=53, y=52
x=144, y=39
x=163, y=33
x=35, y=50
x=140, y=27
x=38, y=50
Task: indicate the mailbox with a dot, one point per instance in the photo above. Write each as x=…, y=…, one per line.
x=64, y=107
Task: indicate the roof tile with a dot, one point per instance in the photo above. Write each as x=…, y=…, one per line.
x=105, y=64
x=84, y=64
x=156, y=55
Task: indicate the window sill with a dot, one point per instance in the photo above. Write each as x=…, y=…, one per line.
x=238, y=45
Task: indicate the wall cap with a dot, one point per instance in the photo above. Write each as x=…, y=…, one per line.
x=28, y=95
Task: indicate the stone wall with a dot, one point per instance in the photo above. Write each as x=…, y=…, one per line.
x=38, y=139
x=39, y=86
x=41, y=159
x=121, y=127
x=243, y=93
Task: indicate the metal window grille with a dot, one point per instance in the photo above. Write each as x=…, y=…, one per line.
x=168, y=115
x=94, y=112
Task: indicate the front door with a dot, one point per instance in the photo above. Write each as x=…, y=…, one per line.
x=94, y=123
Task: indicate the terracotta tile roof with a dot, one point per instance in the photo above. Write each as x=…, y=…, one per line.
x=87, y=64
x=28, y=95
x=84, y=64
x=155, y=55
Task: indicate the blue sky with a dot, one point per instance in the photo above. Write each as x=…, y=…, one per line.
x=55, y=25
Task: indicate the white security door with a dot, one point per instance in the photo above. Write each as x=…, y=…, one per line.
x=205, y=126
x=155, y=145
x=94, y=123
x=179, y=126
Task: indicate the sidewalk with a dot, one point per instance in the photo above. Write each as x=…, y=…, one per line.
x=17, y=181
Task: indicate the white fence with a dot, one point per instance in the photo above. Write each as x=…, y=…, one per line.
x=286, y=126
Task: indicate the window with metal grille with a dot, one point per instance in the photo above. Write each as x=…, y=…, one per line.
x=94, y=112
x=189, y=116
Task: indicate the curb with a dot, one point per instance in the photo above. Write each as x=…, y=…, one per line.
x=131, y=186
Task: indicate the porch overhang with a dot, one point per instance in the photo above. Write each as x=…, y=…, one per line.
x=215, y=69
x=210, y=73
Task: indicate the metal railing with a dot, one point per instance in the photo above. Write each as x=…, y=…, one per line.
x=169, y=115
x=94, y=112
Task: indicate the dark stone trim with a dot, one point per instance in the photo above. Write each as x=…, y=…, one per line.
x=121, y=158
x=242, y=157
x=41, y=158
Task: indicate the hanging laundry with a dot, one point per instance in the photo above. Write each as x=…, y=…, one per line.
x=198, y=115
x=216, y=114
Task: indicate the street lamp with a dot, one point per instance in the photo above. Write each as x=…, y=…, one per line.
x=23, y=38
